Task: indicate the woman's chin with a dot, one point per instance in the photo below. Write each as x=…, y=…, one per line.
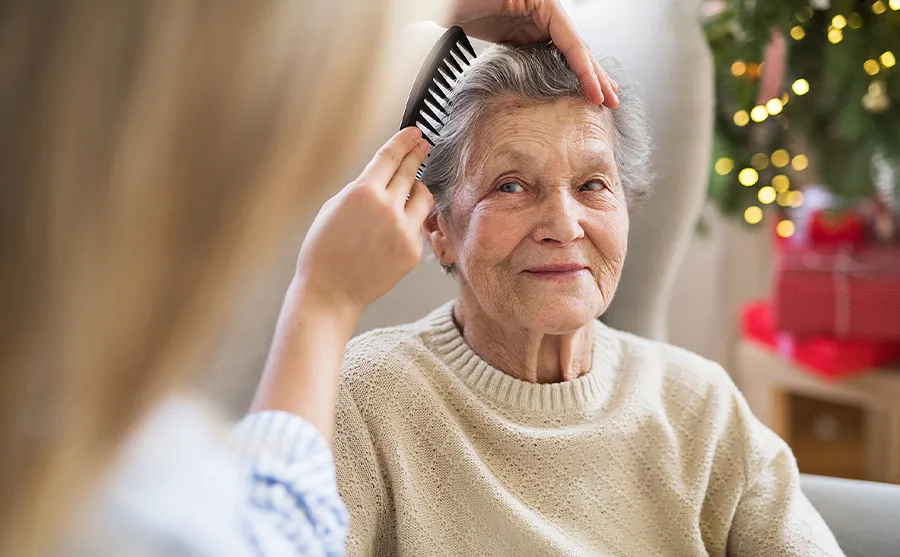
x=559, y=316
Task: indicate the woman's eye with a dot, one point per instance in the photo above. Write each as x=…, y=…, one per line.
x=593, y=185
x=511, y=187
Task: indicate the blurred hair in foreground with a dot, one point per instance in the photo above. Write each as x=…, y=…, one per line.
x=151, y=152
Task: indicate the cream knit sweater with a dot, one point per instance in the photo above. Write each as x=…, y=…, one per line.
x=654, y=452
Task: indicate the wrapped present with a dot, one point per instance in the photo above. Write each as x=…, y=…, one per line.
x=838, y=292
x=837, y=228
x=826, y=357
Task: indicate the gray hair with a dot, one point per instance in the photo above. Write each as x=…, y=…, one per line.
x=536, y=73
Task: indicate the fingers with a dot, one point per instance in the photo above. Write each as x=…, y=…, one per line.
x=387, y=160
x=402, y=181
x=565, y=37
x=607, y=85
x=420, y=203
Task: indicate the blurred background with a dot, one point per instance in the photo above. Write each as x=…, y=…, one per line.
x=772, y=242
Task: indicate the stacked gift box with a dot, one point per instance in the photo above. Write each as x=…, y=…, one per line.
x=835, y=307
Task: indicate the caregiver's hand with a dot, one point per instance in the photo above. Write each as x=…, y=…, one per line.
x=363, y=241
x=367, y=237
x=530, y=21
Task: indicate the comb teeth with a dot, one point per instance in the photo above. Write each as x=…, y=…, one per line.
x=434, y=107
x=429, y=101
x=451, y=63
x=465, y=44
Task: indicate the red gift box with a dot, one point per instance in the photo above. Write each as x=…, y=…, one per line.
x=827, y=357
x=839, y=292
x=830, y=228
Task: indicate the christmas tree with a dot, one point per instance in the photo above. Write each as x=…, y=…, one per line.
x=808, y=93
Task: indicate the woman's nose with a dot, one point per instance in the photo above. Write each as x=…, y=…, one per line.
x=560, y=218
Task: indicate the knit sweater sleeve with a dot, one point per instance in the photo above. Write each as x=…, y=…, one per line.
x=773, y=517
x=361, y=483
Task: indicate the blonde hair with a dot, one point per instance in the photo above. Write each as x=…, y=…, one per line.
x=151, y=150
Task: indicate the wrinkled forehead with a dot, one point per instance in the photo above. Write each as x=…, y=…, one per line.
x=534, y=134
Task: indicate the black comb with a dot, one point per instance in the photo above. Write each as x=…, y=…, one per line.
x=428, y=103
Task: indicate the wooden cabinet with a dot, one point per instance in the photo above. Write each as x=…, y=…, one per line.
x=848, y=429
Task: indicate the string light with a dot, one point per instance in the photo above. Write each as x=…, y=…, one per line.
x=878, y=7
x=835, y=35
x=783, y=199
x=871, y=67
x=760, y=161
x=780, y=158
x=781, y=183
x=894, y=4
x=738, y=68
x=748, y=177
x=797, y=32
x=800, y=162
x=795, y=199
x=767, y=195
x=785, y=229
x=785, y=98
x=759, y=113
x=855, y=21
x=888, y=60
x=800, y=87
x=723, y=166
x=774, y=106
x=753, y=214
x=741, y=118
x=754, y=70
x=839, y=21
x=805, y=15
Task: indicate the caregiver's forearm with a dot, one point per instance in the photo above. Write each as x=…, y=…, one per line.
x=303, y=367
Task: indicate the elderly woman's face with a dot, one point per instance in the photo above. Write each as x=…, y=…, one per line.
x=539, y=225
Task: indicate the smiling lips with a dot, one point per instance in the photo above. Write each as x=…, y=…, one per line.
x=557, y=271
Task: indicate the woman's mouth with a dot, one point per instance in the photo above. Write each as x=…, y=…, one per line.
x=557, y=271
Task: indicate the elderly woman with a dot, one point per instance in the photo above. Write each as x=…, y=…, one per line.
x=511, y=421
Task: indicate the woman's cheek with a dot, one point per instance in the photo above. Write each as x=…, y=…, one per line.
x=609, y=233
x=494, y=231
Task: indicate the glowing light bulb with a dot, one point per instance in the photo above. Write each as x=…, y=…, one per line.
x=748, y=177
x=753, y=214
x=797, y=32
x=767, y=194
x=759, y=113
x=871, y=67
x=785, y=98
x=835, y=36
x=774, y=106
x=783, y=199
x=800, y=163
x=888, y=60
x=759, y=161
x=894, y=4
x=741, y=118
x=878, y=7
x=785, y=229
x=723, y=166
x=800, y=87
x=780, y=158
x=781, y=183
x=839, y=21
x=739, y=68
x=795, y=199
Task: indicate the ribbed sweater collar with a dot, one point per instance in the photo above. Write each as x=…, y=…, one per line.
x=586, y=392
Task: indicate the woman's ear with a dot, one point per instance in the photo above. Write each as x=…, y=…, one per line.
x=440, y=240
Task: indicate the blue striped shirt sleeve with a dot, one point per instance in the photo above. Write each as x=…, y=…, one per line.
x=294, y=505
